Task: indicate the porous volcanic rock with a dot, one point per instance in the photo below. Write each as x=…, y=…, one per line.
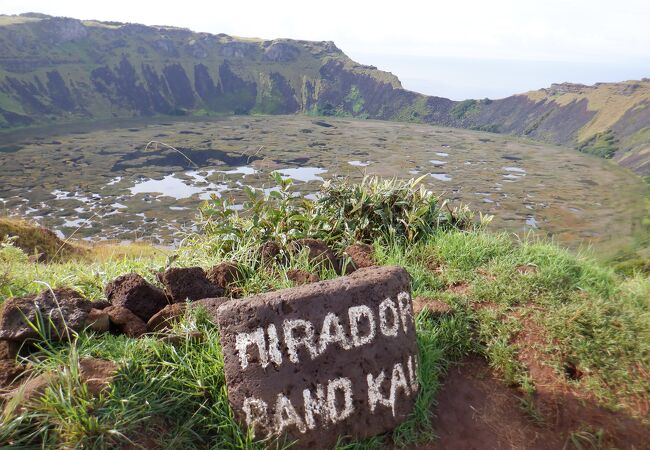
x=224, y=274
x=98, y=320
x=9, y=371
x=318, y=252
x=165, y=317
x=101, y=304
x=9, y=349
x=59, y=310
x=188, y=283
x=323, y=360
x=302, y=276
x=133, y=292
x=362, y=255
x=268, y=251
x=126, y=321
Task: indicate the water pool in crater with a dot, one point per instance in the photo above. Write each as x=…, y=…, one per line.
x=123, y=190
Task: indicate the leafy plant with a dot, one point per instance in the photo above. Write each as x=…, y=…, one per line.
x=390, y=210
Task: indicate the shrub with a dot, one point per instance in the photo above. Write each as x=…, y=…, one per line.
x=604, y=145
x=373, y=209
x=462, y=109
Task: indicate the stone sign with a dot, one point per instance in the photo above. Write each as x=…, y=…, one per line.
x=328, y=359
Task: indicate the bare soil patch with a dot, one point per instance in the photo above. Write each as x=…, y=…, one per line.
x=476, y=410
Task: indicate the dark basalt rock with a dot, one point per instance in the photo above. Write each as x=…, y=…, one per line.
x=124, y=321
x=59, y=92
x=179, y=85
x=362, y=255
x=188, y=283
x=237, y=95
x=204, y=86
x=158, y=90
x=166, y=317
x=58, y=310
x=133, y=292
x=323, y=360
x=122, y=86
x=268, y=252
x=98, y=320
x=28, y=94
x=9, y=349
x=9, y=373
x=302, y=276
x=318, y=252
x=284, y=95
x=101, y=304
x=224, y=274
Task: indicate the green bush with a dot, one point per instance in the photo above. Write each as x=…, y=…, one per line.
x=602, y=144
x=461, y=109
x=375, y=209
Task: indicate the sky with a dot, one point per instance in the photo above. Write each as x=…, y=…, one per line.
x=454, y=48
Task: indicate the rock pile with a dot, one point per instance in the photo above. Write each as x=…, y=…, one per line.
x=132, y=303
x=135, y=307
x=354, y=257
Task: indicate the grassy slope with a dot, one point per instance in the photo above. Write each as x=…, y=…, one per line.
x=41, y=244
x=610, y=102
x=598, y=321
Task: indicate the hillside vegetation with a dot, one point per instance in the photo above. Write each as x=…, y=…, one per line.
x=566, y=334
x=61, y=69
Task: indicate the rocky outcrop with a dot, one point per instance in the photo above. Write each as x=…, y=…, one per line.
x=166, y=317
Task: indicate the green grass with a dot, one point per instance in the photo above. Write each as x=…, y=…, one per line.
x=464, y=108
x=355, y=100
x=603, y=145
x=588, y=315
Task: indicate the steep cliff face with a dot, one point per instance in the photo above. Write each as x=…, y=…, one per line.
x=54, y=69
x=610, y=120
x=66, y=69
